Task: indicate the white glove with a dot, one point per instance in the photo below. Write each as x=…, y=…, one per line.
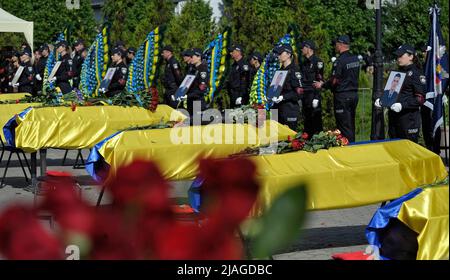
x=182, y=98
x=377, y=103
x=445, y=100
x=16, y=85
x=239, y=101
x=103, y=90
x=38, y=77
x=315, y=103
x=277, y=100
x=396, y=107
x=52, y=80
x=172, y=97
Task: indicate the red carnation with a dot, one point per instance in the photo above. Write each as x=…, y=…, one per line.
x=17, y=101
x=73, y=106
x=305, y=135
x=297, y=145
x=344, y=141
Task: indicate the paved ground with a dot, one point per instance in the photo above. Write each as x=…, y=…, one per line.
x=325, y=232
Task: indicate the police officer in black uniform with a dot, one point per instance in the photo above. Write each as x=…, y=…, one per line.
x=404, y=115
x=312, y=71
x=255, y=62
x=131, y=53
x=187, y=56
x=287, y=102
x=66, y=70
x=238, y=83
x=344, y=85
x=78, y=60
x=198, y=89
x=26, y=79
x=40, y=67
x=172, y=76
x=119, y=79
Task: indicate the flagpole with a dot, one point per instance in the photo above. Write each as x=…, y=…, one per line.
x=446, y=147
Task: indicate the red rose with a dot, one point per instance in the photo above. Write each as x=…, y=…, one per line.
x=344, y=141
x=17, y=101
x=297, y=145
x=73, y=106
x=305, y=135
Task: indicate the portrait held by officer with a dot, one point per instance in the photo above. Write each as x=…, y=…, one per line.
x=312, y=71
x=404, y=114
x=172, y=76
x=26, y=79
x=119, y=78
x=344, y=85
x=66, y=71
x=195, y=96
x=287, y=101
x=238, y=83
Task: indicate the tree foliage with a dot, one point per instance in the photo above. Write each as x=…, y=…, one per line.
x=50, y=17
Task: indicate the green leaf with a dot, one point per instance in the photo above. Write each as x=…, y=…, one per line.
x=281, y=224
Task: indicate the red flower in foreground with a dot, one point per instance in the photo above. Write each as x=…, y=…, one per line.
x=297, y=145
x=344, y=141
x=17, y=101
x=22, y=237
x=73, y=106
x=231, y=187
x=305, y=135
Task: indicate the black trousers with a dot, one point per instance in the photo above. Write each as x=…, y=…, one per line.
x=168, y=92
x=345, y=104
x=312, y=116
x=404, y=125
x=288, y=113
x=64, y=86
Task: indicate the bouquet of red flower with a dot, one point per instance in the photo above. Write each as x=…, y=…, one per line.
x=141, y=222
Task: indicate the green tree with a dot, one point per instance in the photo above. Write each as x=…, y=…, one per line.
x=131, y=20
x=193, y=27
x=50, y=17
x=409, y=23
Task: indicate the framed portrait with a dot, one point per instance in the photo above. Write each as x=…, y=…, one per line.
x=54, y=70
x=17, y=75
x=277, y=84
x=108, y=77
x=392, y=88
x=185, y=85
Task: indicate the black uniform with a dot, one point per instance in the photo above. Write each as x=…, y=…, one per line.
x=344, y=84
x=198, y=89
x=65, y=74
x=312, y=70
x=172, y=79
x=26, y=79
x=78, y=64
x=40, y=69
x=239, y=82
x=119, y=80
x=288, y=108
x=406, y=123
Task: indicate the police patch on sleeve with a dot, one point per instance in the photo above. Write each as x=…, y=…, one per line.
x=423, y=80
x=245, y=67
x=320, y=65
x=70, y=61
x=175, y=66
x=203, y=75
x=410, y=73
x=298, y=75
x=30, y=69
x=124, y=70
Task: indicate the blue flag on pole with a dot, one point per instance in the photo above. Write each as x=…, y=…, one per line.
x=436, y=70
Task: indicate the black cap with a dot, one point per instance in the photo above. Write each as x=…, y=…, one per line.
x=118, y=51
x=404, y=49
x=344, y=39
x=78, y=42
x=25, y=51
x=44, y=47
x=131, y=50
x=283, y=48
x=61, y=43
x=197, y=52
x=168, y=48
x=236, y=47
x=309, y=44
x=257, y=56
x=119, y=44
x=187, y=52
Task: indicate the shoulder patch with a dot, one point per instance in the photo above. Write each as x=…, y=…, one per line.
x=124, y=70
x=320, y=64
x=423, y=80
x=175, y=66
x=245, y=67
x=203, y=75
x=410, y=73
x=70, y=61
x=298, y=75
x=30, y=69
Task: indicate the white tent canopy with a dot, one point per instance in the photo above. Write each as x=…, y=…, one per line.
x=10, y=23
